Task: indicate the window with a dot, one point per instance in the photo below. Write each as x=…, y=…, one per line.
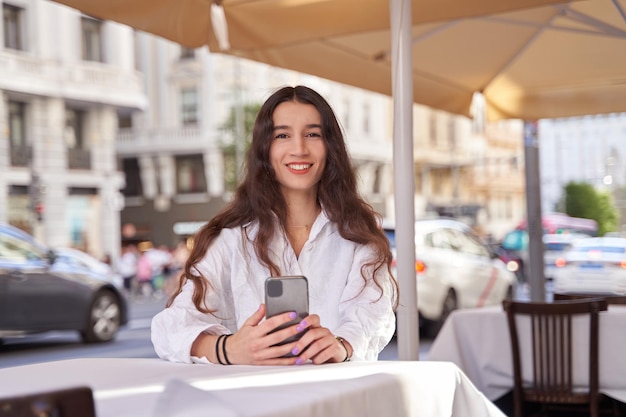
x=187, y=53
x=17, y=124
x=18, y=251
x=432, y=129
x=346, y=114
x=133, y=187
x=124, y=121
x=366, y=118
x=190, y=174
x=74, y=122
x=13, y=18
x=92, y=39
x=189, y=111
x=20, y=150
x=451, y=133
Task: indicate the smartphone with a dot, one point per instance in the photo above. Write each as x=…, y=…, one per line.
x=285, y=294
x=68, y=402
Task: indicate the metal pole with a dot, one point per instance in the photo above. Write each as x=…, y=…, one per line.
x=536, y=277
x=404, y=178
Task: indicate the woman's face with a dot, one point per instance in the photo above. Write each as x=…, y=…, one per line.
x=298, y=151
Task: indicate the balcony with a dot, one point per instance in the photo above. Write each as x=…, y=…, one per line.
x=87, y=81
x=183, y=140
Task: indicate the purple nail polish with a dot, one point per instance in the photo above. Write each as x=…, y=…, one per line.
x=299, y=361
x=294, y=351
x=303, y=324
x=292, y=315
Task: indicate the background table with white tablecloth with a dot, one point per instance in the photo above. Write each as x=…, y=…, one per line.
x=477, y=340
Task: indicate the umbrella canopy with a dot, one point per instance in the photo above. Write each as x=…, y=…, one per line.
x=551, y=61
x=257, y=24
x=531, y=59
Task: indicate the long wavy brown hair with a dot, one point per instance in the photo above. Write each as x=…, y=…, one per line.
x=259, y=199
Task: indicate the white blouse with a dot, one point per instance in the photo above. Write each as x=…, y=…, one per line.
x=332, y=266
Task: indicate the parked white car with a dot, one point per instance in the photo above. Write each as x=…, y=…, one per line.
x=455, y=269
x=593, y=265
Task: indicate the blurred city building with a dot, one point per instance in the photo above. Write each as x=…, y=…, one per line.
x=118, y=136
x=66, y=80
x=590, y=149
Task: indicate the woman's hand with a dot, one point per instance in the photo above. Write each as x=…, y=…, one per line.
x=318, y=344
x=252, y=344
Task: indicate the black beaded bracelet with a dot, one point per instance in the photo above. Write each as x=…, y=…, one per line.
x=217, y=348
x=224, y=349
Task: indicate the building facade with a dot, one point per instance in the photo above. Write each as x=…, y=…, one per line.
x=65, y=82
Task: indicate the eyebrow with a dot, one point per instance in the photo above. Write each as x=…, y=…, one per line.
x=311, y=126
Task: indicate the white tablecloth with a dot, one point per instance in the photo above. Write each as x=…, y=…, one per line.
x=156, y=388
x=477, y=340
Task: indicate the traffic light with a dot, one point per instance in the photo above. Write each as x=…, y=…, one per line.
x=36, y=191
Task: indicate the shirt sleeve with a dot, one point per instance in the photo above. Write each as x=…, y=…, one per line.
x=175, y=328
x=367, y=320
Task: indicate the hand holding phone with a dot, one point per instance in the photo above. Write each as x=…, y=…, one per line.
x=285, y=294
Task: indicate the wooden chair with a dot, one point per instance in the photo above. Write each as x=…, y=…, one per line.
x=551, y=342
x=610, y=299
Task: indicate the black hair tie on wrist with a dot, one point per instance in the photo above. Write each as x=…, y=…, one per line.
x=217, y=349
x=224, y=349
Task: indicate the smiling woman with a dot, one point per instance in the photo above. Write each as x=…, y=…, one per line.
x=296, y=213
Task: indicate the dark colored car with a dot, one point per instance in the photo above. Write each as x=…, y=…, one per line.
x=40, y=292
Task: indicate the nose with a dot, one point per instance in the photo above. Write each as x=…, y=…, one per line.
x=299, y=145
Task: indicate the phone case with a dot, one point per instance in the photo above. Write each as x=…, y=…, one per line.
x=284, y=294
x=69, y=402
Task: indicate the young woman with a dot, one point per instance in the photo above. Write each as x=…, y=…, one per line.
x=297, y=212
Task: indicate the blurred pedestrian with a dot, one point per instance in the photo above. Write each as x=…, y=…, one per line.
x=127, y=266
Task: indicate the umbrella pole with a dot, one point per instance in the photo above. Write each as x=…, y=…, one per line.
x=535, y=273
x=404, y=178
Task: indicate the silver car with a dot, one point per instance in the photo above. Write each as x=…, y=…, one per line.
x=41, y=291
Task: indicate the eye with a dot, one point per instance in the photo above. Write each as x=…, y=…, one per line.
x=280, y=136
x=314, y=135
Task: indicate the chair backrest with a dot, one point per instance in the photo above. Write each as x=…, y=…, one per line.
x=551, y=344
x=610, y=299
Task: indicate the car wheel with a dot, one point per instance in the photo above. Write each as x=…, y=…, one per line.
x=450, y=303
x=104, y=318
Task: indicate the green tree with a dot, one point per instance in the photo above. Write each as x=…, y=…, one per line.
x=583, y=200
x=229, y=147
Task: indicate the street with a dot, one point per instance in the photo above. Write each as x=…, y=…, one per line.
x=133, y=341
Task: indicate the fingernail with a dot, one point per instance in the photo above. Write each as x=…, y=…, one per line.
x=299, y=361
x=294, y=351
x=292, y=315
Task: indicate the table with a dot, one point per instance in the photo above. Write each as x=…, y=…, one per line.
x=477, y=340
x=156, y=388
